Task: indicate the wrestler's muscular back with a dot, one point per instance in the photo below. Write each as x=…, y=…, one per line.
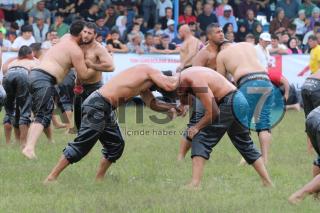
x=27, y=63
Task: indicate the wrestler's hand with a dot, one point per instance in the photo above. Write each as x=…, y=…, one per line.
x=192, y=131
x=172, y=113
x=182, y=110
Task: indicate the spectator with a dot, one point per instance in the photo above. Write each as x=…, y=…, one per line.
x=242, y=32
x=284, y=38
x=168, y=16
x=207, y=17
x=2, y=28
x=257, y=32
x=228, y=18
x=162, y=7
x=165, y=47
x=314, y=54
x=139, y=20
x=52, y=39
x=59, y=26
x=67, y=9
x=110, y=17
x=114, y=44
x=12, y=36
x=36, y=50
x=149, y=8
x=82, y=5
x=228, y=27
x=263, y=6
x=156, y=29
x=40, y=9
x=301, y=24
x=220, y=9
x=4, y=43
x=316, y=29
x=156, y=40
x=275, y=48
x=136, y=46
x=100, y=39
x=148, y=44
x=250, y=21
x=244, y=6
x=250, y=38
x=103, y=4
x=26, y=38
x=193, y=27
x=170, y=30
x=10, y=10
x=293, y=46
x=136, y=30
x=314, y=18
x=308, y=7
x=102, y=29
x=40, y=29
x=262, y=51
x=230, y=36
x=177, y=40
x=198, y=9
x=203, y=38
x=121, y=25
x=187, y=17
x=290, y=7
x=91, y=15
x=280, y=23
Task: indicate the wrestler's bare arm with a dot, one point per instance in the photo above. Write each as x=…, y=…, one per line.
x=220, y=66
x=168, y=83
x=77, y=59
x=156, y=105
x=106, y=62
x=193, y=46
x=201, y=58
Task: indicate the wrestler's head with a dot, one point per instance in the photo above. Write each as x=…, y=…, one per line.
x=184, y=31
x=215, y=33
x=76, y=28
x=36, y=50
x=89, y=33
x=25, y=52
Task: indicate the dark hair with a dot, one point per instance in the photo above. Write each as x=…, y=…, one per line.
x=35, y=47
x=113, y=31
x=211, y=26
x=313, y=38
x=76, y=27
x=168, y=8
x=148, y=34
x=138, y=16
x=92, y=25
x=14, y=25
x=274, y=36
x=58, y=14
x=26, y=28
x=292, y=26
x=225, y=27
x=317, y=24
x=24, y=51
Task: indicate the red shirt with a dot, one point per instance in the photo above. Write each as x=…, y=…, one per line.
x=275, y=76
x=187, y=19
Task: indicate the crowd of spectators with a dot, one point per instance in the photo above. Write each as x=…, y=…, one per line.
x=147, y=26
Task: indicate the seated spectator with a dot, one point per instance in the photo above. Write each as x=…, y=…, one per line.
x=135, y=45
x=136, y=30
x=100, y=39
x=114, y=44
x=121, y=23
x=280, y=23
x=228, y=27
x=148, y=44
x=2, y=28
x=301, y=24
x=284, y=38
x=138, y=19
x=293, y=46
x=26, y=38
x=207, y=17
x=67, y=9
x=228, y=18
x=102, y=29
x=242, y=32
x=290, y=7
x=230, y=36
x=168, y=16
x=91, y=15
x=52, y=39
x=188, y=16
x=194, y=30
x=314, y=18
x=170, y=30
x=292, y=30
x=203, y=38
x=40, y=9
x=59, y=26
x=40, y=28
x=4, y=43
x=275, y=48
x=244, y=6
x=257, y=32
x=162, y=7
x=307, y=6
x=157, y=30
x=198, y=8
x=81, y=5
x=250, y=38
x=250, y=21
x=12, y=36
x=220, y=9
x=264, y=7
x=165, y=47
x=316, y=29
x=9, y=10
x=156, y=40
x=110, y=17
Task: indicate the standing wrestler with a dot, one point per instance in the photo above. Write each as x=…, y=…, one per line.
x=206, y=57
x=99, y=122
x=99, y=60
x=18, y=102
x=53, y=67
x=217, y=94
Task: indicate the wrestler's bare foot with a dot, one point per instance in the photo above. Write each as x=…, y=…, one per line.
x=60, y=126
x=49, y=180
x=99, y=179
x=28, y=153
x=72, y=131
x=266, y=183
x=180, y=157
x=296, y=198
x=192, y=187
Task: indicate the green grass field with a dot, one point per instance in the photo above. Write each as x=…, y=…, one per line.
x=148, y=179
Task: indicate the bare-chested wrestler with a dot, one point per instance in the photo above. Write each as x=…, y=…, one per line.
x=15, y=82
x=217, y=94
x=241, y=62
x=53, y=67
x=99, y=60
x=206, y=57
x=189, y=48
x=99, y=122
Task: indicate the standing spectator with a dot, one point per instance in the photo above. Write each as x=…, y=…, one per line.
x=148, y=44
x=9, y=9
x=40, y=29
x=314, y=54
x=165, y=47
x=26, y=38
x=308, y=7
x=207, y=17
x=244, y=6
x=136, y=46
x=168, y=16
x=149, y=8
x=250, y=22
x=228, y=18
x=59, y=26
x=68, y=9
x=314, y=18
x=110, y=17
x=198, y=9
x=91, y=15
x=82, y=5
x=257, y=32
x=280, y=23
x=52, y=39
x=301, y=24
x=40, y=9
x=162, y=7
x=316, y=29
x=275, y=48
x=187, y=17
x=102, y=29
x=220, y=9
x=242, y=32
x=262, y=51
x=121, y=25
x=114, y=44
x=263, y=6
x=170, y=30
x=4, y=43
x=290, y=7
x=293, y=46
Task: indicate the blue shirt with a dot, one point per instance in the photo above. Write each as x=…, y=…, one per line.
x=223, y=20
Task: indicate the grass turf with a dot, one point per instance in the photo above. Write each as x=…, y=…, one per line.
x=148, y=179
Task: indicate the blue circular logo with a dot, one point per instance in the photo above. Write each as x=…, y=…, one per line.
x=259, y=105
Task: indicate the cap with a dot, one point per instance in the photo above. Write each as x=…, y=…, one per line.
x=265, y=36
x=227, y=8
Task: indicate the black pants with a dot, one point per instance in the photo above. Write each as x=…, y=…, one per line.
x=310, y=93
x=313, y=131
x=65, y=92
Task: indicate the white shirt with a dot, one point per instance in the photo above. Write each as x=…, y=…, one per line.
x=280, y=46
x=21, y=41
x=263, y=56
x=162, y=7
x=6, y=43
x=306, y=37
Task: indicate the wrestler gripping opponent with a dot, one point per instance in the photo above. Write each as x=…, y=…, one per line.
x=15, y=81
x=99, y=60
x=240, y=60
x=99, y=122
x=313, y=131
x=217, y=95
x=53, y=67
